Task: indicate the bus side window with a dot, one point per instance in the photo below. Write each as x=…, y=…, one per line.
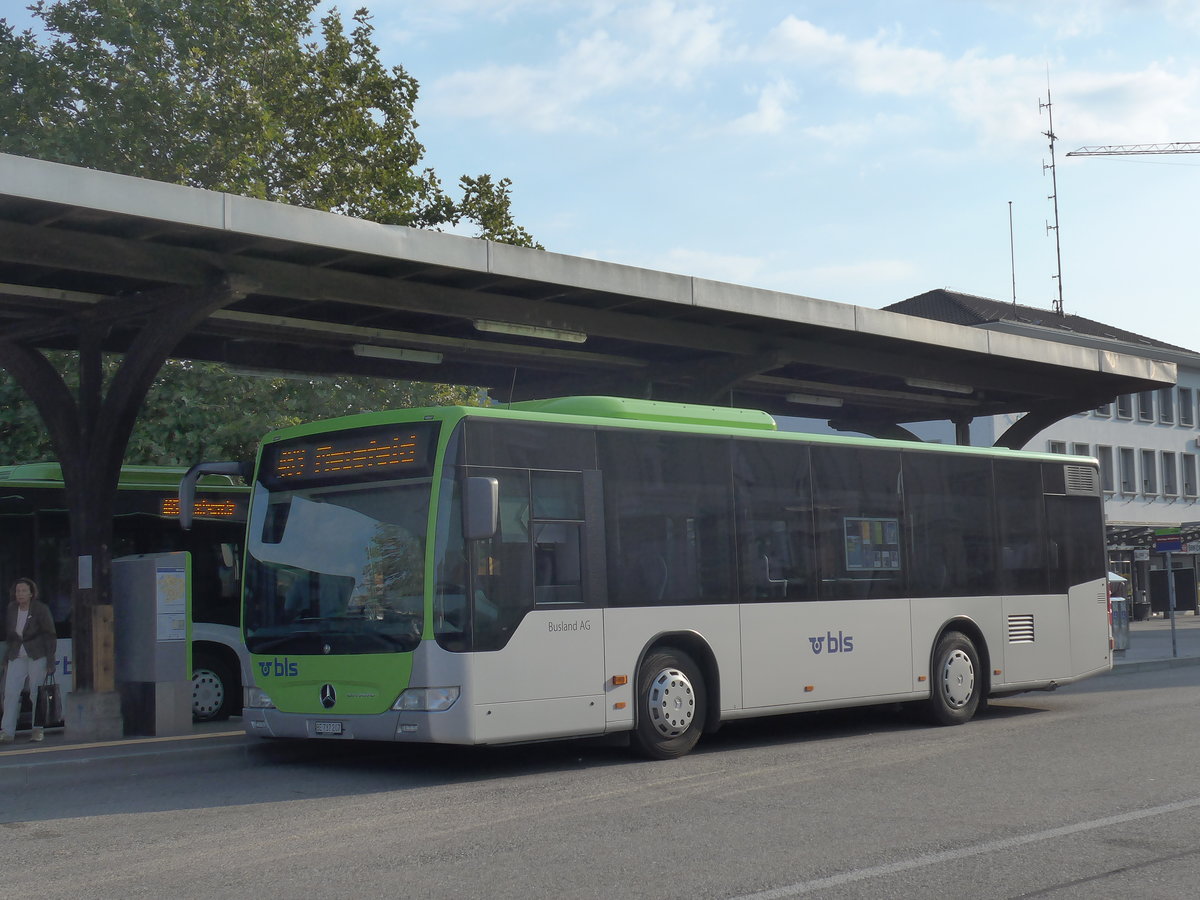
x=1021, y=522
x=557, y=503
x=857, y=498
x=668, y=518
x=774, y=520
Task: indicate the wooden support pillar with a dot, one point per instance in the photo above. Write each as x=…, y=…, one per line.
x=89, y=432
x=104, y=666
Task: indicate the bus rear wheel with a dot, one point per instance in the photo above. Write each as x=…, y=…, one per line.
x=214, y=689
x=957, y=687
x=670, y=705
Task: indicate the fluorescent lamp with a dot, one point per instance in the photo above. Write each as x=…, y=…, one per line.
x=417, y=356
x=814, y=400
x=534, y=331
x=931, y=385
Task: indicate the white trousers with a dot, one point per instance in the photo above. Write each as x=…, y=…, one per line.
x=19, y=670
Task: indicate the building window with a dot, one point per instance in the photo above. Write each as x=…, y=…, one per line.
x=1058, y=446
x=1125, y=406
x=1187, y=411
x=1107, y=479
x=1149, y=473
x=1104, y=409
x=1189, y=474
x=1170, y=474
x=1166, y=406
x=1146, y=406
x=1081, y=449
x=1128, y=471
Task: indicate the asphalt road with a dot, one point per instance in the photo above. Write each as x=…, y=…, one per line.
x=1089, y=792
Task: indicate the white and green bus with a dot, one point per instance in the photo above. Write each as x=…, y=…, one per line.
x=590, y=566
x=35, y=542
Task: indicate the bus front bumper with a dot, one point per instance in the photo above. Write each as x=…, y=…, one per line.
x=409, y=727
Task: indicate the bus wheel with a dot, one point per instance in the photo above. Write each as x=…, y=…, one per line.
x=670, y=705
x=955, y=693
x=214, y=687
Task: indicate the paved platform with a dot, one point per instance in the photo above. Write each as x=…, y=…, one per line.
x=1151, y=646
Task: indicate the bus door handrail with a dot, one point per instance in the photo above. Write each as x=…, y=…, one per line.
x=187, y=486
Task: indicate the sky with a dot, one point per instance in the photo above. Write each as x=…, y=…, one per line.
x=861, y=151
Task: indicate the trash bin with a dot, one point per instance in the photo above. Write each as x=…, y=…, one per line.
x=1120, y=623
x=1141, y=608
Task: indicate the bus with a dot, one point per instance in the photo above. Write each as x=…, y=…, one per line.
x=593, y=565
x=35, y=542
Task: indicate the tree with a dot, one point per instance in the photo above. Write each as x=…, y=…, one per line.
x=233, y=95
x=249, y=97
x=189, y=419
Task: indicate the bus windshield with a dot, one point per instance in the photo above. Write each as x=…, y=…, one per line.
x=337, y=569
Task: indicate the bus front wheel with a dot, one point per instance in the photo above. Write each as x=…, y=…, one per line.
x=957, y=680
x=670, y=705
x=215, y=688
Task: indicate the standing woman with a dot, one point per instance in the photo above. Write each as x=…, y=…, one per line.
x=29, y=649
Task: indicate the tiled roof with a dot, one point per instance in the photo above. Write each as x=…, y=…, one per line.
x=966, y=309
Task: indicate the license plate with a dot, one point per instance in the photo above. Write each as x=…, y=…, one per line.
x=327, y=727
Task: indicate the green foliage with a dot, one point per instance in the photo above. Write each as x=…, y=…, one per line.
x=488, y=203
x=245, y=96
x=252, y=97
x=197, y=411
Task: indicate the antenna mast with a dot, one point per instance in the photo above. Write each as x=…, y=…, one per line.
x=1048, y=106
x=1012, y=253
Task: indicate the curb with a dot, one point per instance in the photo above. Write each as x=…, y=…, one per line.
x=1152, y=665
x=25, y=758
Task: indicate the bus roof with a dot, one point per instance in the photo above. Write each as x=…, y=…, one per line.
x=49, y=474
x=650, y=411
x=654, y=414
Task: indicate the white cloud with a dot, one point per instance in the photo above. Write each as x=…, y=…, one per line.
x=625, y=46
x=867, y=272
x=770, y=115
x=873, y=65
x=1128, y=107
x=617, y=61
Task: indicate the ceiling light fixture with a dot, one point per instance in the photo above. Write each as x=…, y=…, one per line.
x=930, y=385
x=533, y=331
x=398, y=353
x=814, y=400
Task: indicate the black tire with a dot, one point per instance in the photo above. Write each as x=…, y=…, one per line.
x=216, y=688
x=670, y=705
x=957, y=681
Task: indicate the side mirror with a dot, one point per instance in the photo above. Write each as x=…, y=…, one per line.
x=481, y=507
x=187, y=486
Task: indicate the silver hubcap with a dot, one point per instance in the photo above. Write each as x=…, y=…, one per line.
x=958, y=679
x=671, y=703
x=208, y=693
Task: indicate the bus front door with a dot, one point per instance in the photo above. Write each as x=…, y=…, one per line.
x=545, y=676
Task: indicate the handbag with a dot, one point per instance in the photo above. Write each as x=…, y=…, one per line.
x=47, y=709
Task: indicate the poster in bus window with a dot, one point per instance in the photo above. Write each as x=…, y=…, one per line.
x=872, y=543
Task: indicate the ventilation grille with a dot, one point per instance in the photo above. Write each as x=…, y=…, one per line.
x=1020, y=629
x=1083, y=481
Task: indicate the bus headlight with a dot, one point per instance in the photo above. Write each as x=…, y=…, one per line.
x=431, y=699
x=256, y=698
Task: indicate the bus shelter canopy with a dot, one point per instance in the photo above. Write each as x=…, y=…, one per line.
x=98, y=262
x=300, y=291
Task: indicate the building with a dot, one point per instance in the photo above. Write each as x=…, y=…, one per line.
x=1147, y=444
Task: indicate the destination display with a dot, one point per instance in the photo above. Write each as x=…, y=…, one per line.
x=364, y=454
x=168, y=507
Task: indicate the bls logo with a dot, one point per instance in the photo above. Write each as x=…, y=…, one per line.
x=279, y=668
x=836, y=643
